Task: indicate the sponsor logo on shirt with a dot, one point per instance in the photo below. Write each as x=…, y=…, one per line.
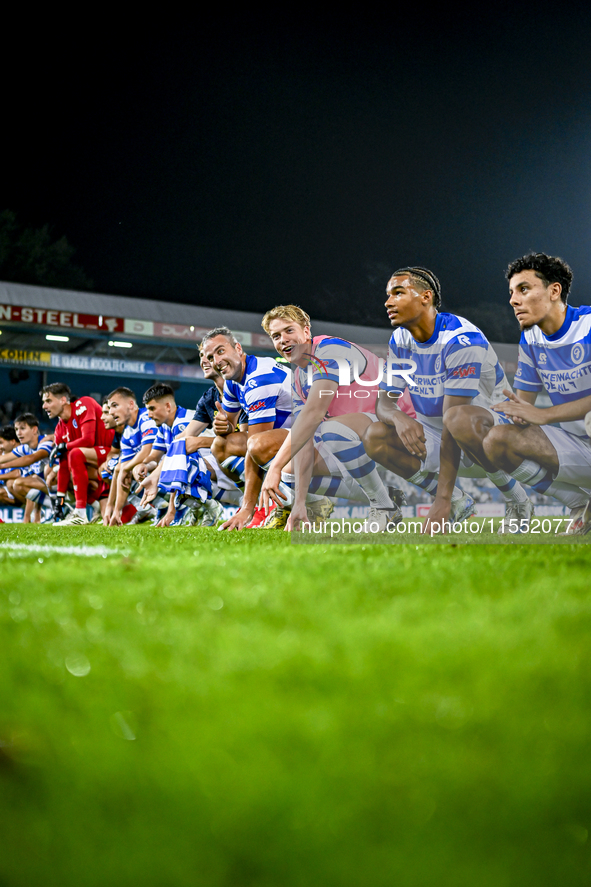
x=252, y=383
x=542, y=358
x=462, y=372
x=81, y=410
x=256, y=406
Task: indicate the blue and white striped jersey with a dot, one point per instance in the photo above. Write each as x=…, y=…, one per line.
x=560, y=363
x=456, y=360
x=136, y=436
x=44, y=446
x=167, y=433
x=264, y=392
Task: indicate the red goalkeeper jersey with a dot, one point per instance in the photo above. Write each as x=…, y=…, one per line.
x=85, y=427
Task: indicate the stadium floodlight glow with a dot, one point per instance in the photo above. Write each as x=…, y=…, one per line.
x=57, y=338
x=121, y=344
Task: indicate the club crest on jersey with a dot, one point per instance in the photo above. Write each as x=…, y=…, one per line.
x=74, y=423
x=577, y=353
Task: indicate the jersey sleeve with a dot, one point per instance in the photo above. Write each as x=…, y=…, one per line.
x=463, y=357
x=391, y=379
x=230, y=401
x=148, y=431
x=161, y=440
x=331, y=355
x=45, y=447
x=260, y=401
x=86, y=423
x=183, y=424
x=58, y=436
x=526, y=377
x=127, y=450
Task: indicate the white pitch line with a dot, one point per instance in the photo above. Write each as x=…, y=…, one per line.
x=76, y=550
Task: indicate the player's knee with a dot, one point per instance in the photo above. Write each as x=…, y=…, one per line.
x=374, y=437
x=259, y=449
x=459, y=421
x=218, y=448
x=76, y=457
x=496, y=443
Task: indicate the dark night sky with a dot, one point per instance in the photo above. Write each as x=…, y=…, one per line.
x=245, y=161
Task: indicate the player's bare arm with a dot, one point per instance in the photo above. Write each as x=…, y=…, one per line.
x=150, y=485
x=193, y=429
x=408, y=429
x=24, y=461
x=253, y=480
x=521, y=406
x=304, y=427
x=303, y=463
x=203, y=442
x=449, y=461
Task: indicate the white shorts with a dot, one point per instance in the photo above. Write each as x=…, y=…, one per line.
x=222, y=480
x=574, y=456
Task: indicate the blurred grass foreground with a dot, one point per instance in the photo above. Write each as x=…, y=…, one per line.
x=185, y=707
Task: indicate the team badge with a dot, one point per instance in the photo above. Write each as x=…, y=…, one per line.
x=74, y=423
x=577, y=353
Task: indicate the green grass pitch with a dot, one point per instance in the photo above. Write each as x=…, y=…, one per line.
x=233, y=709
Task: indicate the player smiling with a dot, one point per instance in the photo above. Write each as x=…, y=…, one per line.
x=260, y=387
x=332, y=448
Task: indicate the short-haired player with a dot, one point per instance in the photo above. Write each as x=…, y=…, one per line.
x=548, y=448
x=81, y=444
x=454, y=365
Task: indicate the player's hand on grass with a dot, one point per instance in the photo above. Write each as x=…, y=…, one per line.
x=221, y=424
x=438, y=513
x=167, y=519
x=411, y=434
x=518, y=409
x=270, y=489
x=298, y=514
x=241, y=519
x=115, y=519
